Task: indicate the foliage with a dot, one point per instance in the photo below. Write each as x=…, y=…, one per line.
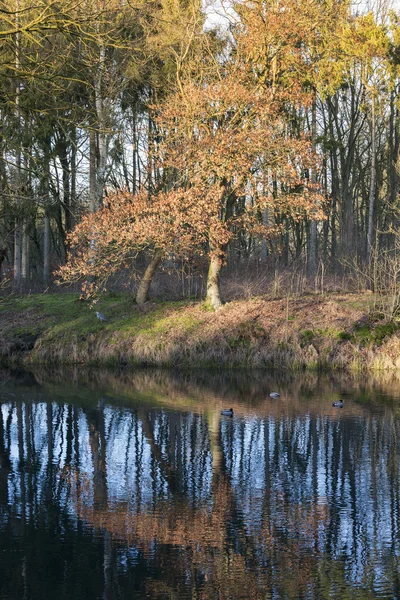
x=174, y=224
x=263, y=130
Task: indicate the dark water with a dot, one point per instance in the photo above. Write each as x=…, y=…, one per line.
x=133, y=486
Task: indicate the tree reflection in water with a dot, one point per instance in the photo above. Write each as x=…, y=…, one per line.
x=138, y=488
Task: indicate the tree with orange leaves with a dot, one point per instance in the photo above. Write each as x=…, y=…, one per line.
x=166, y=225
x=232, y=127
x=225, y=130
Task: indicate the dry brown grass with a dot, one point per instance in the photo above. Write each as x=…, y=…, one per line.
x=312, y=331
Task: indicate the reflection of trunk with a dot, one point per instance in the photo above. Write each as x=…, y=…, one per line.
x=144, y=286
x=5, y=464
x=213, y=298
x=107, y=566
x=98, y=448
x=21, y=457
x=157, y=453
x=214, y=420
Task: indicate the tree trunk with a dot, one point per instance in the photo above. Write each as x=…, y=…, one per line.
x=264, y=243
x=73, y=177
x=17, y=231
x=213, y=298
x=3, y=254
x=46, y=250
x=66, y=173
x=312, y=251
x=144, y=287
x=100, y=177
x=17, y=254
x=92, y=170
x=372, y=184
x=134, y=152
x=46, y=225
x=25, y=253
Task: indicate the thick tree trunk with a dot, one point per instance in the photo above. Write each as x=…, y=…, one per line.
x=144, y=287
x=213, y=298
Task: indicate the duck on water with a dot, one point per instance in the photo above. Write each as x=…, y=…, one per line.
x=227, y=412
x=338, y=404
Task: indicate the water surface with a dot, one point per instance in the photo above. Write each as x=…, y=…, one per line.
x=134, y=486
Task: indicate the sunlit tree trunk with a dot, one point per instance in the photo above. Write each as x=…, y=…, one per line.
x=73, y=176
x=372, y=183
x=213, y=297
x=312, y=255
x=134, y=153
x=92, y=170
x=144, y=286
x=101, y=132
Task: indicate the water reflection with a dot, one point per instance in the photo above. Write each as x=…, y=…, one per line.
x=135, y=487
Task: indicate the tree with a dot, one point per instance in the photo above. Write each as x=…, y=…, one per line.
x=230, y=127
x=167, y=225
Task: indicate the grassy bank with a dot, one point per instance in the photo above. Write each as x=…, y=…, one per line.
x=335, y=331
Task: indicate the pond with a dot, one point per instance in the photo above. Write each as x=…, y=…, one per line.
x=132, y=485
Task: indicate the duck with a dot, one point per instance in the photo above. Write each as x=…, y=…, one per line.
x=227, y=412
x=338, y=404
x=274, y=395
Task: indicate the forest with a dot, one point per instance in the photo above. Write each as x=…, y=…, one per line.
x=140, y=135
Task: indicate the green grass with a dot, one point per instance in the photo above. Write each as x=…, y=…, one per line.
x=62, y=320
x=64, y=313
x=369, y=333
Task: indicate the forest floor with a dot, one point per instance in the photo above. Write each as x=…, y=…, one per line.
x=339, y=331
